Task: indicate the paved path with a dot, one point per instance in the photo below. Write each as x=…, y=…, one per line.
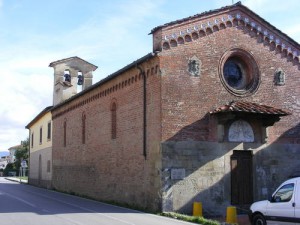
x=22, y=204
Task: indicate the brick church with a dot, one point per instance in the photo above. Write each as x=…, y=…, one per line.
x=211, y=115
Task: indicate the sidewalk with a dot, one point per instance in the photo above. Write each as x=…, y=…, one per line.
x=16, y=179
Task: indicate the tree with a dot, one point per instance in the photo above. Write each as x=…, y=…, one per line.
x=22, y=153
x=10, y=167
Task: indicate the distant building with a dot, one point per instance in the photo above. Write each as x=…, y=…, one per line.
x=4, y=160
x=12, y=151
x=40, y=149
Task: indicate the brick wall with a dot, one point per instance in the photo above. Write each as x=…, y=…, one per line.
x=105, y=168
x=181, y=134
x=190, y=134
x=186, y=98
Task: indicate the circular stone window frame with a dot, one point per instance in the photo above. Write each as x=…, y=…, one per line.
x=249, y=69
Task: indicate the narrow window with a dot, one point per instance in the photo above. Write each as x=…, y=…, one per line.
x=114, y=121
x=32, y=136
x=80, y=80
x=41, y=135
x=49, y=131
x=83, y=128
x=65, y=133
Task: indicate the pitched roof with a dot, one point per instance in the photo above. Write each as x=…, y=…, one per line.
x=15, y=147
x=70, y=59
x=199, y=15
x=222, y=9
x=250, y=107
x=42, y=113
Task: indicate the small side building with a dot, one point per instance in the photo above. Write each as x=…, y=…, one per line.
x=3, y=162
x=40, y=150
x=12, y=151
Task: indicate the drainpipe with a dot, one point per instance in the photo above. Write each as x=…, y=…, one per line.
x=144, y=110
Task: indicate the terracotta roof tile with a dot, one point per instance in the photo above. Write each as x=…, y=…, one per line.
x=250, y=107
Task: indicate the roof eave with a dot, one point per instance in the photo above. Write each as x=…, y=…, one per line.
x=205, y=13
x=52, y=64
x=40, y=115
x=222, y=9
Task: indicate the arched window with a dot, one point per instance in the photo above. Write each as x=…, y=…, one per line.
x=32, y=138
x=113, y=120
x=80, y=78
x=67, y=76
x=83, y=127
x=41, y=135
x=65, y=133
x=49, y=131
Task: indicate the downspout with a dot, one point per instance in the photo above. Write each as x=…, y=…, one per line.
x=144, y=110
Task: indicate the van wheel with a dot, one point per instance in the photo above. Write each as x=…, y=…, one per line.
x=259, y=219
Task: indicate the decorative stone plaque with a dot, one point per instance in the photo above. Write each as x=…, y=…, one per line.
x=177, y=174
x=279, y=77
x=240, y=131
x=194, y=66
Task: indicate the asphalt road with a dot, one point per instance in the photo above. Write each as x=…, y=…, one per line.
x=22, y=204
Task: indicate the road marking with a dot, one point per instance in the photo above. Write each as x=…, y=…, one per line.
x=69, y=220
x=85, y=209
x=21, y=200
x=45, y=210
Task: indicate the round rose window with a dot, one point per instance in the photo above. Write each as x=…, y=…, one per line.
x=239, y=72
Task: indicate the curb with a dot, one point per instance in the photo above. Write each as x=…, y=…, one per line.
x=16, y=180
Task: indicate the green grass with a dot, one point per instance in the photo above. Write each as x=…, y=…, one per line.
x=23, y=178
x=192, y=219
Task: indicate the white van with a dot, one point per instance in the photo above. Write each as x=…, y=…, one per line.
x=282, y=208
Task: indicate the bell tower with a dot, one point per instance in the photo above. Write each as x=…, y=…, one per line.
x=71, y=75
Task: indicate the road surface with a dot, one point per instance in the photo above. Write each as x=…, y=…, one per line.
x=22, y=204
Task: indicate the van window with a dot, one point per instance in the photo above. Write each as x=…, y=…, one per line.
x=284, y=194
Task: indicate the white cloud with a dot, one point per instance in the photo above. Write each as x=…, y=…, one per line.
x=26, y=88
x=27, y=81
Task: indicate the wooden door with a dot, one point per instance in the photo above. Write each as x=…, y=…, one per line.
x=241, y=178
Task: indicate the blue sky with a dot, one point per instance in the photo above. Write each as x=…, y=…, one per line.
x=109, y=34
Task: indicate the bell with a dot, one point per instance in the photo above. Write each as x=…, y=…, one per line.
x=67, y=77
x=80, y=80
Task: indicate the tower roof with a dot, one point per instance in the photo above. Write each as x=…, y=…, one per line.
x=74, y=62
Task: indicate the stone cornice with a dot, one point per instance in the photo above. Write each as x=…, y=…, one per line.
x=203, y=28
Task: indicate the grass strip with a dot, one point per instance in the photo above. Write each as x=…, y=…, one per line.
x=192, y=219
